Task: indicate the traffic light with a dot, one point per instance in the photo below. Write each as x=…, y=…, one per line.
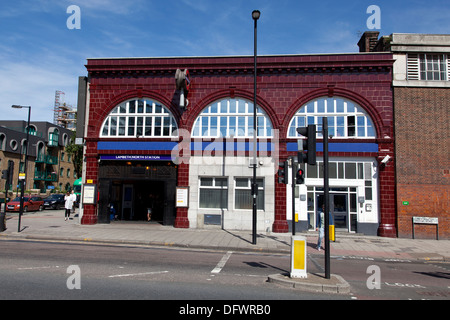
x=308, y=144
x=283, y=174
x=11, y=172
x=300, y=176
x=8, y=173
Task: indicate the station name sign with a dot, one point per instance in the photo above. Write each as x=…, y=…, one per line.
x=136, y=157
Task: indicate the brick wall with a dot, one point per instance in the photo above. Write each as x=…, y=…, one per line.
x=423, y=159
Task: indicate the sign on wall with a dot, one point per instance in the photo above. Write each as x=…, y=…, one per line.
x=182, y=197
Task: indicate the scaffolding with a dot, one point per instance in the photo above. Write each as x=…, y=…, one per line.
x=63, y=114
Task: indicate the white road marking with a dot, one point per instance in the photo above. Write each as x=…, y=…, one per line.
x=222, y=262
x=136, y=274
x=37, y=268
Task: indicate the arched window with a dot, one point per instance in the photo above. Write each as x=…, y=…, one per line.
x=346, y=119
x=139, y=118
x=2, y=142
x=32, y=130
x=53, y=137
x=231, y=117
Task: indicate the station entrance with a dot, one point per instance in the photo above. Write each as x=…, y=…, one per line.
x=137, y=191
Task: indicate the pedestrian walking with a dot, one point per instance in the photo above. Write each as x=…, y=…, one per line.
x=321, y=225
x=68, y=203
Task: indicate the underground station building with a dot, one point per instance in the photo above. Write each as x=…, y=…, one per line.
x=184, y=149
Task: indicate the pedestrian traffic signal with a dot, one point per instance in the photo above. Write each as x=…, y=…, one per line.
x=308, y=144
x=5, y=174
x=300, y=176
x=283, y=175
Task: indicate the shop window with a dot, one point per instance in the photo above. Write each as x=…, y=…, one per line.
x=231, y=117
x=139, y=118
x=346, y=119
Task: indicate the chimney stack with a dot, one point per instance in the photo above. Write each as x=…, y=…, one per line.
x=368, y=41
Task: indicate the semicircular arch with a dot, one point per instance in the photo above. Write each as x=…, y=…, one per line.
x=338, y=93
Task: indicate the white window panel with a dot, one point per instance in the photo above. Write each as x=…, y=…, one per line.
x=346, y=119
x=139, y=118
x=231, y=117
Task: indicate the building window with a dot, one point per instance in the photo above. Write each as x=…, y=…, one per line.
x=243, y=194
x=2, y=142
x=432, y=67
x=341, y=170
x=32, y=130
x=231, y=118
x=13, y=144
x=53, y=138
x=213, y=193
x=428, y=67
x=139, y=118
x=346, y=119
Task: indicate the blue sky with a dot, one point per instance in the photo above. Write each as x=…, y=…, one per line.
x=39, y=54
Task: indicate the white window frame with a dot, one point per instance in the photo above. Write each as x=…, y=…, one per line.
x=418, y=67
x=248, y=187
x=139, y=118
x=213, y=187
x=231, y=117
x=339, y=112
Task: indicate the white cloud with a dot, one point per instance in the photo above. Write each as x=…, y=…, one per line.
x=35, y=86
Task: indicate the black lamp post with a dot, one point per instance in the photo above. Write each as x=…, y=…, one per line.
x=23, y=181
x=255, y=15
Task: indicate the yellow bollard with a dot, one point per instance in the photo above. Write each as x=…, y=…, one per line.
x=332, y=233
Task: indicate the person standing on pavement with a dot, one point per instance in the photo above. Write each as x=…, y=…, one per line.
x=68, y=203
x=321, y=225
x=74, y=199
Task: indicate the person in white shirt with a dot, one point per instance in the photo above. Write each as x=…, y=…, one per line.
x=68, y=205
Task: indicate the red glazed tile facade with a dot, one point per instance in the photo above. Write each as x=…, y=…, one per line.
x=285, y=83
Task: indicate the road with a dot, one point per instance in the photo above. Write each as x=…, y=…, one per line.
x=49, y=270
x=39, y=270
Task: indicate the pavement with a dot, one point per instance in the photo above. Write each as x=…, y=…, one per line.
x=49, y=225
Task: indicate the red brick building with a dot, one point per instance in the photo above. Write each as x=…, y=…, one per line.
x=190, y=165
x=421, y=83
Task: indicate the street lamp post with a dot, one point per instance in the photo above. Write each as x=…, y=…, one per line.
x=255, y=16
x=23, y=181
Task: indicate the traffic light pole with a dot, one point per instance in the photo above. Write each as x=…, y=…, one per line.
x=326, y=196
x=294, y=174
